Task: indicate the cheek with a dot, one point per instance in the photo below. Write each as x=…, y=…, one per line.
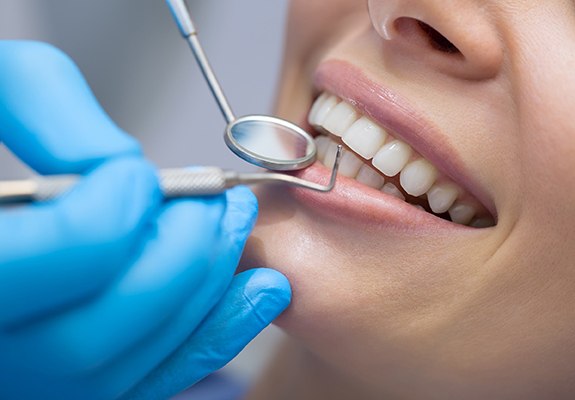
x=546, y=86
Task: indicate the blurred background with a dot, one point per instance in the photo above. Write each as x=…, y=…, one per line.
x=145, y=77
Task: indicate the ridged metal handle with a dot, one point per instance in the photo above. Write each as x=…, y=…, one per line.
x=185, y=183
x=50, y=188
x=174, y=183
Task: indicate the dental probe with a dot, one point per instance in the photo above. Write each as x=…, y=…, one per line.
x=175, y=183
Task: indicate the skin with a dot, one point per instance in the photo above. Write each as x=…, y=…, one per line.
x=377, y=313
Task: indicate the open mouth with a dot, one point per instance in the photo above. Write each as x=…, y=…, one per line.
x=374, y=157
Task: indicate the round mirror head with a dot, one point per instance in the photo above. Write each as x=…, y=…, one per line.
x=271, y=143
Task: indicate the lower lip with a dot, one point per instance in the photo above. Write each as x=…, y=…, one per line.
x=354, y=203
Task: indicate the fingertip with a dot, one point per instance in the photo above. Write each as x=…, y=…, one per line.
x=268, y=290
x=242, y=194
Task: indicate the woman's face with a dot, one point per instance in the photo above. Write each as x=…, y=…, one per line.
x=468, y=106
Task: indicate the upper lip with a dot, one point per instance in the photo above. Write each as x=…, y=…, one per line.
x=395, y=114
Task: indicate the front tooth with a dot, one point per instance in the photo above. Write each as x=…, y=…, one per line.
x=392, y=157
x=323, y=110
x=322, y=143
x=350, y=164
x=340, y=119
x=441, y=197
x=365, y=137
x=417, y=177
x=392, y=190
x=331, y=154
x=462, y=213
x=312, y=116
x=369, y=177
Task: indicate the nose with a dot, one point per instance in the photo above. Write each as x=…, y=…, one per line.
x=457, y=37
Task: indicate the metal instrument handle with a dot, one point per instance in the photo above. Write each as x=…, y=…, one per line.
x=175, y=183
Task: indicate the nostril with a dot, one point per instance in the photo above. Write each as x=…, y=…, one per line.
x=437, y=40
x=418, y=31
x=469, y=46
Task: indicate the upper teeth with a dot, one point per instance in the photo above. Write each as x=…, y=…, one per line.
x=377, y=155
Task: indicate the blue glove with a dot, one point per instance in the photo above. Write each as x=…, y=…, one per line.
x=110, y=291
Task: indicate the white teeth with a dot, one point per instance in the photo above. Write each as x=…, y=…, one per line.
x=322, y=143
x=350, y=164
x=325, y=105
x=417, y=177
x=312, y=116
x=392, y=190
x=366, y=140
x=392, y=157
x=365, y=137
x=441, y=197
x=462, y=213
x=331, y=154
x=340, y=119
x=369, y=177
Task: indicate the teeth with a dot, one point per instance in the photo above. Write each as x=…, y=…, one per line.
x=350, y=164
x=367, y=141
x=322, y=143
x=392, y=157
x=365, y=137
x=441, y=197
x=340, y=119
x=462, y=213
x=391, y=189
x=317, y=105
x=369, y=177
x=417, y=177
x=331, y=154
x=324, y=107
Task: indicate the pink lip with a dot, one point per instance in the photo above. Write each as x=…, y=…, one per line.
x=354, y=203
x=393, y=113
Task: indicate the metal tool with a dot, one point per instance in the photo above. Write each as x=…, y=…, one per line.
x=265, y=141
x=175, y=183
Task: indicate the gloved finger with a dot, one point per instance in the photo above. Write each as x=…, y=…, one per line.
x=133, y=366
x=56, y=253
x=175, y=259
x=48, y=114
x=254, y=299
x=237, y=224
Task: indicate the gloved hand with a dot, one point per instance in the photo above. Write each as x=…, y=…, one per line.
x=110, y=290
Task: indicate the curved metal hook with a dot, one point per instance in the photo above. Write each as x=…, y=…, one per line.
x=258, y=178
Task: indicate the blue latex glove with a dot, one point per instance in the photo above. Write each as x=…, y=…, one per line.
x=109, y=291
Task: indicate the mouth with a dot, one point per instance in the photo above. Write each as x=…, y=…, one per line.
x=384, y=145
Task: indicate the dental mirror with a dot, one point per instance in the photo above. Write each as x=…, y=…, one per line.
x=268, y=142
